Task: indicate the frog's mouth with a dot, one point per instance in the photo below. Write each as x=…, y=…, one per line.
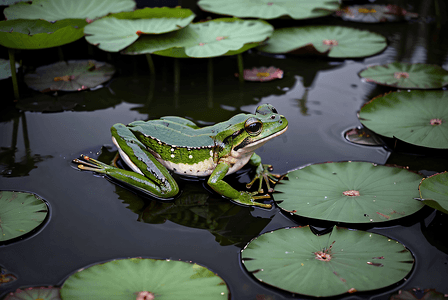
x=247, y=146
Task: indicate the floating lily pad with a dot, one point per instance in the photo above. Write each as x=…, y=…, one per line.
x=416, y=117
x=206, y=39
x=333, y=41
x=39, y=34
x=350, y=192
x=38, y=293
x=408, y=76
x=118, y=31
x=130, y=278
x=53, y=10
x=434, y=191
x=20, y=213
x=343, y=261
x=5, y=68
x=74, y=75
x=270, y=9
x=374, y=13
x=262, y=74
x=363, y=136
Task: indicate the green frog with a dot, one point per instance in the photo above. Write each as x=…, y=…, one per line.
x=154, y=148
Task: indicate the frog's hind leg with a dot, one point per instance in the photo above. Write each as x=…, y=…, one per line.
x=133, y=179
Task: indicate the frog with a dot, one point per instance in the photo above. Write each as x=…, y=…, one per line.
x=155, y=149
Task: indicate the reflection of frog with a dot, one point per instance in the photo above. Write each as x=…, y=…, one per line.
x=153, y=148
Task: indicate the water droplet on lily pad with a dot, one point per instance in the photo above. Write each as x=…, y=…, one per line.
x=356, y=192
x=133, y=277
x=318, y=267
x=20, y=213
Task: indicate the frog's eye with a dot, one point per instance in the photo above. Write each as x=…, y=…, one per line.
x=253, y=126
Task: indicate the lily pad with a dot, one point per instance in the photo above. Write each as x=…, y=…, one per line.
x=374, y=13
x=207, y=39
x=350, y=192
x=343, y=261
x=407, y=76
x=20, y=213
x=118, y=31
x=74, y=75
x=53, y=10
x=416, y=117
x=363, y=136
x=270, y=9
x=39, y=34
x=434, y=191
x=5, y=68
x=38, y=293
x=134, y=277
x=332, y=41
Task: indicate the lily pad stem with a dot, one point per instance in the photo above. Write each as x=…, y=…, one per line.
x=152, y=69
x=176, y=82
x=210, y=82
x=240, y=67
x=12, y=62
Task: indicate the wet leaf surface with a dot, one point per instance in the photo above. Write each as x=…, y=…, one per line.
x=74, y=75
x=127, y=278
x=374, y=13
x=118, y=31
x=38, y=293
x=343, y=261
x=415, y=117
x=19, y=214
x=363, y=136
x=405, y=75
x=434, y=191
x=350, y=192
x=40, y=34
x=206, y=39
x=332, y=41
x=270, y=9
x=53, y=10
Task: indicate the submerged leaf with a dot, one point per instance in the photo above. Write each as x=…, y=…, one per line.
x=262, y=74
x=363, y=136
x=270, y=9
x=53, y=10
x=134, y=277
x=206, y=39
x=20, y=213
x=332, y=41
x=374, y=13
x=434, y=191
x=74, y=75
x=5, y=68
x=39, y=34
x=350, y=192
x=405, y=75
x=416, y=117
x=38, y=293
x=343, y=261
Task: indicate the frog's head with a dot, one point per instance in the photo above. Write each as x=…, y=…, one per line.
x=248, y=132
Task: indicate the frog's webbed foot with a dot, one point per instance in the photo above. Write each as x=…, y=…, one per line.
x=263, y=174
x=89, y=164
x=247, y=198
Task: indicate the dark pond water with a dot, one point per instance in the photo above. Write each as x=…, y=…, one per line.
x=93, y=220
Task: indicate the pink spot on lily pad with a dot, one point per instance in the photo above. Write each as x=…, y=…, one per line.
x=144, y=295
x=436, y=122
x=330, y=42
x=202, y=44
x=351, y=193
x=270, y=3
x=263, y=74
x=65, y=78
x=399, y=75
x=220, y=38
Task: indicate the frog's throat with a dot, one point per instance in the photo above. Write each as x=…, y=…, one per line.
x=126, y=158
x=243, y=148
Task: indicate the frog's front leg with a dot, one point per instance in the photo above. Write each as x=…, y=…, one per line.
x=263, y=174
x=217, y=183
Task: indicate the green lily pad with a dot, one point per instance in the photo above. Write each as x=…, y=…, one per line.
x=343, y=261
x=374, y=13
x=74, y=75
x=20, y=213
x=434, y=191
x=350, y=192
x=270, y=9
x=114, y=34
x=129, y=278
x=332, y=41
x=416, y=117
x=53, y=10
x=38, y=293
x=407, y=76
x=39, y=34
x=207, y=39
